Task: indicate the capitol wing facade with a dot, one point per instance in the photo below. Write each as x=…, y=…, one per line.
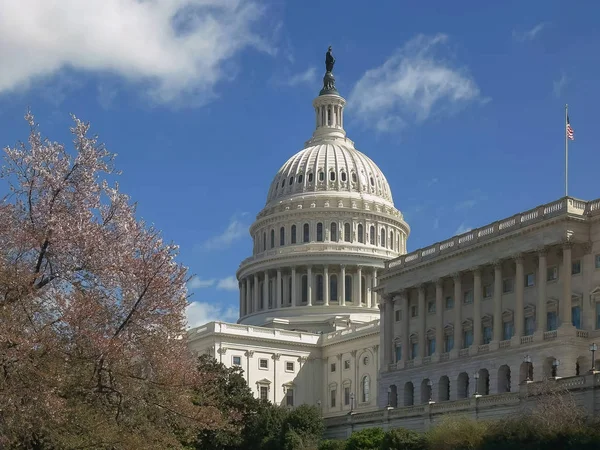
x=308, y=330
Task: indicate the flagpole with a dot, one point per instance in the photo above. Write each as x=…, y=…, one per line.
x=566, y=152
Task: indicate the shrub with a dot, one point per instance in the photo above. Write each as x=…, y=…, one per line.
x=457, y=433
x=332, y=445
x=367, y=439
x=403, y=439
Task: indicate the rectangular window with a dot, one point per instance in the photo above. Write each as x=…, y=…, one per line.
x=467, y=338
x=507, y=285
x=487, y=334
x=414, y=311
x=448, y=343
x=552, y=273
x=414, y=350
x=346, y=364
x=551, y=321
x=264, y=392
x=468, y=297
x=263, y=363
x=529, y=325
x=237, y=360
x=449, y=303
x=346, y=396
x=529, y=279
x=576, y=268
x=289, y=366
x=289, y=397
x=597, y=261
x=430, y=346
x=398, y=315
x=597, y=316
x=488, y=291
x=431, y=307
x=333, y=367
x=507, y=332
x=333, y=395
x=576, y=316
x=399, y=351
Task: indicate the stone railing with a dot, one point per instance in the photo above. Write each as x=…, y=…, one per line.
x=320, y=247
x=252, y=331
x=359, y=330
x=565, y=205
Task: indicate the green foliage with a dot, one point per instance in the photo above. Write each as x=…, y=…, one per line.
x=403, y=439
x=457, y=433
x=367, y=439
x=332, y=445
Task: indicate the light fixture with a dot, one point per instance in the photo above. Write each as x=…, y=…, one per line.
x=593, y=349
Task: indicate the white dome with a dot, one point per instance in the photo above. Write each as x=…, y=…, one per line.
x=328, y=167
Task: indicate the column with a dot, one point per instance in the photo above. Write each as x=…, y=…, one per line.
x=388, y=318
x=326, y=285
x=340, y=381
x=278, y=298
x=458, y=335
x=541, y=288
x=373, y=293
x=369, y=281
x=248, y=297
x=309, y=282
x=256, y=293
x=359, y=293
x=405, y=330
x=266, y=290
x=242, y=297
x=565, y=305
x=477, y=294
x=422, y=315
x=498, y=325
x=294, y=299
x=439, y=316
x=519, y=293
x=342, y=283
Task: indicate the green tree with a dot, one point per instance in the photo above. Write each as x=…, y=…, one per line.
x=403, y=439
x=306, y=422
x=367, y=439
x=332, y=445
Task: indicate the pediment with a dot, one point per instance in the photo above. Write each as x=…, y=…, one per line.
x=263, y=381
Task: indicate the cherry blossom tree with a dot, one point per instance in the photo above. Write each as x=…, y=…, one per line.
x=92, y=309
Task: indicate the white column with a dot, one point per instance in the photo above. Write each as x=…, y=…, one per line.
x=359, y=283
x=242, y=297
x=498, y=325
x=309, y=282
x=519, y=293
x=294, y=299
x=369, y=281
x=405, y=324
x=477, y=294
x=387, y=321
x=458, y=332
x=342, y=282
x=566, y=312
x=266, y=290
x=439, y=316
x=256, y=293
x=248, y=297
x=373, y=293
x=326, y=285
x=422, y=315
x=278, y=297
x=541, y=288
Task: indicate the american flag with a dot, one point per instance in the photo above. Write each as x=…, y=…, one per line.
x=570, y=133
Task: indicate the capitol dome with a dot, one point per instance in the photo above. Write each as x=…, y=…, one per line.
x=327, y=228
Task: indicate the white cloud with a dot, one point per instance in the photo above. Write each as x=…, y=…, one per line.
x=414, y=83
x=309, y=76
x=559, y=85
x=228, y=284
x=235, y=230
x=529, y=35
x=174, y=49
x=199, y=313
x=462, y=229
x=199, y=283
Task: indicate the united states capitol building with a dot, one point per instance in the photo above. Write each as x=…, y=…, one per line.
x=335, y=313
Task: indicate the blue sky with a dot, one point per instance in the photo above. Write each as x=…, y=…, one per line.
x=460, y=104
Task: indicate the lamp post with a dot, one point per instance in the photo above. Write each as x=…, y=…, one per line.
x=351, y=402
x=555, y=365
x=430, y=387
x=527, y=361
x=476, y=376
x=389, y=404
x=593, y=349
x=320, y=408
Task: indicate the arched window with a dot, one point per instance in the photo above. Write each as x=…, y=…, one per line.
x=333, y=232
x=300, y=178
x=283, y=182
x=272, y=238
x=264, y=240
x=321, y=176
x=382, y=237
x=347, y=234
x=304, y=289
x=319, y=232
x=348, y=288
x=310, y=177
x=282, y=236
x=344, y=176
x=306, y=232
x=293, y=234
x=332, y=175
x=372, y=235
x=291, y=180
x=366, y=388
x=291, y=299
x=353, y=177
x=372, y=182
x=333, y=288
x=360, y=233
x=319, y=288
x=391, y=243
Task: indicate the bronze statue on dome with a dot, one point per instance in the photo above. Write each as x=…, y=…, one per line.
x=329, y=60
